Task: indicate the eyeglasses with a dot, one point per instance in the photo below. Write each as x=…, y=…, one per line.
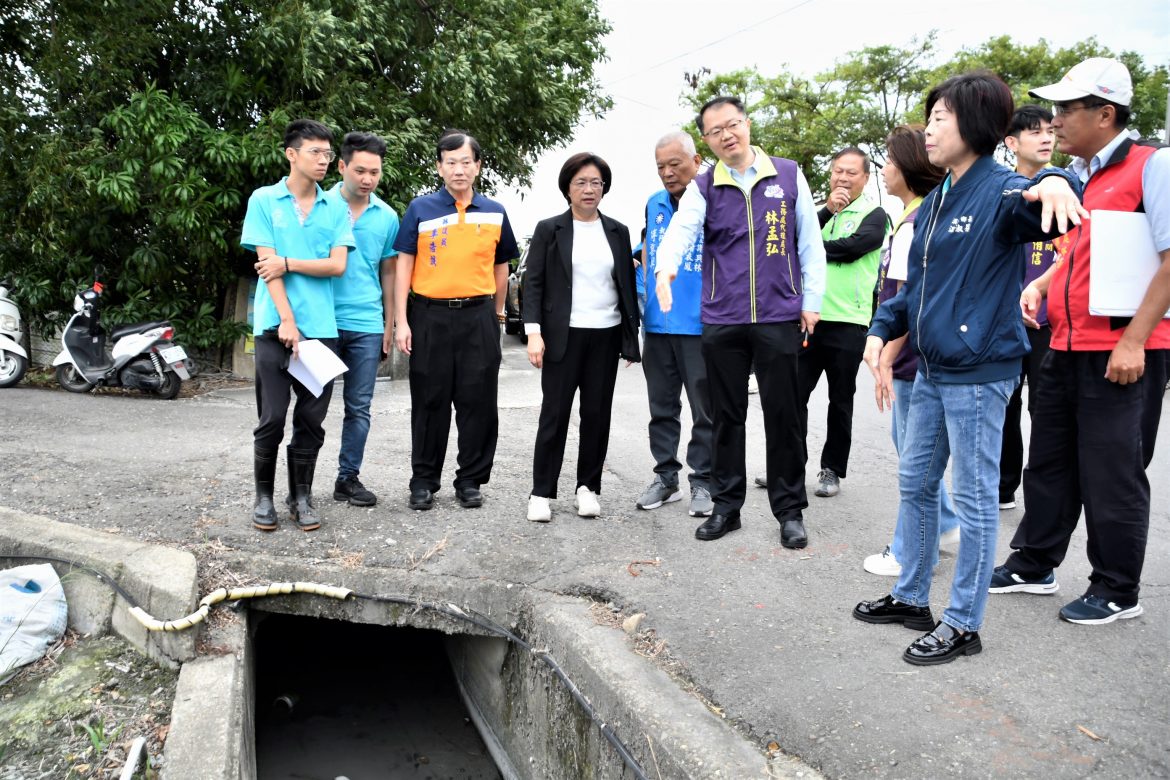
x=328, y=155
x=580, y=184
x=1061, y=110
x=717, y=132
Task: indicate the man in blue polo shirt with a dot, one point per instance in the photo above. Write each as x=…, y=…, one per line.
x=454, y=249
x=363, y=300
x=301, y=240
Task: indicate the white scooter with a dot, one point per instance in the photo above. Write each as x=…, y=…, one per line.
x=13, y=358
x=143, y=356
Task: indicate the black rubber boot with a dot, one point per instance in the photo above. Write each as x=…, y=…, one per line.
x=302, y=464
x=264, y=474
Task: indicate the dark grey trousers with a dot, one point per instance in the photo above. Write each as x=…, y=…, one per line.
x=672, y=363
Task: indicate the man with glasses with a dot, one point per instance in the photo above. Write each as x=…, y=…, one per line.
x=453, y=253
x=763, y=279
x=301, y=239
x=1096, y=414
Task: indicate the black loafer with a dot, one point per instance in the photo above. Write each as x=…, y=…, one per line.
x=421, y=499
x=888, y=609
x=792, y=534
x=941, y=646
x=469, y=497
x=718, y=525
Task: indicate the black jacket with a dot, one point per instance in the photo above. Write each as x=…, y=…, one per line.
x=548, y=285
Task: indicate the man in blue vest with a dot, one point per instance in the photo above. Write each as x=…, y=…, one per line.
x=672, y=356
x=763, y=280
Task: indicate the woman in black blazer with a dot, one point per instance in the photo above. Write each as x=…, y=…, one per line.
x=581, y=317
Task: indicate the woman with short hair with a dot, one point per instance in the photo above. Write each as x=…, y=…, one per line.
x=581, y=317
x=960, y=308
x=908, y=175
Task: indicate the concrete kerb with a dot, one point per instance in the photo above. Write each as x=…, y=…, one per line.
x=670, y=731
x=162, y=579
x=673, y=733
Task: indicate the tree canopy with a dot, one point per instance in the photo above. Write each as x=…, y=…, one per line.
x=866, y=94
x=132, y=131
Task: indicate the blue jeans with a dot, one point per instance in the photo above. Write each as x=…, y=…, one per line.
x=964, y=422
x=947, y=519
x=361, y=353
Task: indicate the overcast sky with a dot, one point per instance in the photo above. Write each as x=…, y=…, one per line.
x=654, y=42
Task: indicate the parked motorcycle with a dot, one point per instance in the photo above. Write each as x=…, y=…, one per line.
x=143, y=355
x=13, y=358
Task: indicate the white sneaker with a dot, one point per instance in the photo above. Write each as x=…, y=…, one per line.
x=538, y=509
x=1006, y=505
x=951, y=537
x=883, y=564
x=587, y=503
x=753, y=385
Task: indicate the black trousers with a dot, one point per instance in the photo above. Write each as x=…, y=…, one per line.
x=1092, y=440
x=729, y=351
x=672, y=362
x=273, y=385
x=1011, y=458
x=590, y=364
x=834, y=349
x=454, y=360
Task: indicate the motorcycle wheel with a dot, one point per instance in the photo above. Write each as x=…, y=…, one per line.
x=171, y=384
x=72, y=381
x=12, y=368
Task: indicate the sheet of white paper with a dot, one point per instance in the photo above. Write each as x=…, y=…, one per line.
x=1124, y=262
x=316, y=366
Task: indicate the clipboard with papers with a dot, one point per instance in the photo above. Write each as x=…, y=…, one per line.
x=1124, y=262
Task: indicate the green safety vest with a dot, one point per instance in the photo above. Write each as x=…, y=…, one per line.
x=849, y=287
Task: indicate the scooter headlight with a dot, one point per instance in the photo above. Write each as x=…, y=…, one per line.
x=8, y=323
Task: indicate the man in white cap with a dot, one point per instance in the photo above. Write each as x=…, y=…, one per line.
x=1096, y=414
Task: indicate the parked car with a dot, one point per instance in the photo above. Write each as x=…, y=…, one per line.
x=514, y=301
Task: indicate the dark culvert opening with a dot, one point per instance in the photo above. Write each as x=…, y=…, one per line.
x=336, y=699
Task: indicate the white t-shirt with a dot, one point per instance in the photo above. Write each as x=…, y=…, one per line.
x=595, y=295
x=900, y=252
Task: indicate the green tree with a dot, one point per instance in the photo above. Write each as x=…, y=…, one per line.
x=132, y=131
x=868, y=92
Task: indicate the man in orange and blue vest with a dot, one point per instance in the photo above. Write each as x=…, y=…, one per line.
x=454, y=247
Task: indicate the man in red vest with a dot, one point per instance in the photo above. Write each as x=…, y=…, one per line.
x=1096, y=414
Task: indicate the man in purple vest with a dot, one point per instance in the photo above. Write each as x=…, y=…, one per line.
x=763, y=279
x=1031, y=139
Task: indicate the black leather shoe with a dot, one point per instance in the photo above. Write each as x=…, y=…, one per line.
x=421, y=499
x=717, y=525
x=888, y=609
x=469, y=497
x=792, y=534
x=941, y=646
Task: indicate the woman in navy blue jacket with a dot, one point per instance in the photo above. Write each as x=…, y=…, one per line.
x=960, y=306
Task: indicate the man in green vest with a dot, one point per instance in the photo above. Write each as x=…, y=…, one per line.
x=853, y=228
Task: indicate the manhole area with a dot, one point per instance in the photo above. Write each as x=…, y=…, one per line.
x=336, y=699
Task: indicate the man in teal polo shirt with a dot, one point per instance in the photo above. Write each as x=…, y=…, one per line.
x=301, y=240
x=363, y=300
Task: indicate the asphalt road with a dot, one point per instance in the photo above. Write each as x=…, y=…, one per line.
x=763, y=631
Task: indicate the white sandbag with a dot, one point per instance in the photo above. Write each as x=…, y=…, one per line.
x=33, y=615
